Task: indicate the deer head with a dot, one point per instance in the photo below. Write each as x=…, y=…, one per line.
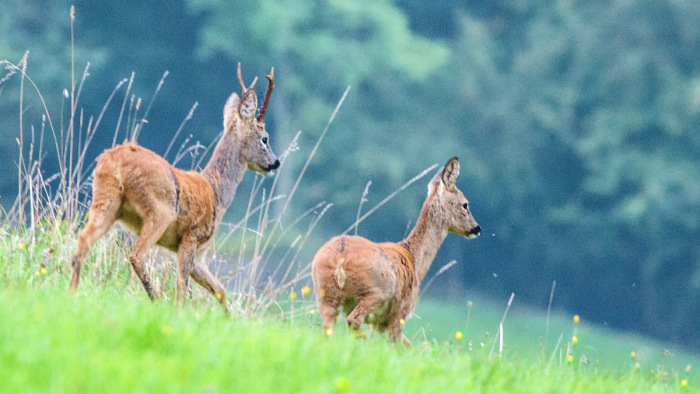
x=241, y=124
x=450, y=202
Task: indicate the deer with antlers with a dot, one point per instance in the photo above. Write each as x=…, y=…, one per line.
x=176, y=209
x=377, y=283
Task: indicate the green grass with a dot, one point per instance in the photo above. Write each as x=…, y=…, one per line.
x=110, y=338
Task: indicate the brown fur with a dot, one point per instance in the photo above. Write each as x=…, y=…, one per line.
x=377, y=283
x=178, y=210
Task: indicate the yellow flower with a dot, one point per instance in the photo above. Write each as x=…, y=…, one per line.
x=292, y=294
x=329, y=332
x=570, y=358
x=43, y=270
x=402, y=321
x=305, y=290
x=574, y=339
x=219, y=296
x=21, y=246
x=342, y=384
x=576, y=319
x=684, y=382
x=169, y=262
x=633, y=354
x=312, y=312
x=458, y=335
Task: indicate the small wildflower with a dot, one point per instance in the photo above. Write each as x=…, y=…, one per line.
x=469, y=304
x=43, y=270
x=118, y=283
x=402, y=321
x=684, y=382
x=574, y=339
x=312, y=312
x=292, y=294
x=219, y=296
x=633, y=354
x=37, y=273
x=576, y=318
x=342, y=384
x=458, y=335
x=21, y=246
x=329, y=332
x=305, y=290
x=169, y=262
x=570, y=358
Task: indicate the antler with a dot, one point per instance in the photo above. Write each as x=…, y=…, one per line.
x=240, y=80
x=270, y=86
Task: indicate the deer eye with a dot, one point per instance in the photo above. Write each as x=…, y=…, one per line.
x=465, y=205
x=264, y=140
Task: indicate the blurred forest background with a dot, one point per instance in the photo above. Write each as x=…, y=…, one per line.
x=575, y=122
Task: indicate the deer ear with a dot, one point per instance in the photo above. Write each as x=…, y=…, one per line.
x=248, y=106
x=230, y=108
x=450, y=173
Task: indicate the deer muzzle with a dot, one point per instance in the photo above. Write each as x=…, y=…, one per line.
x=475, y=232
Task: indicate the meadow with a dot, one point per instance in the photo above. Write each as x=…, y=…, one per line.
x=109, y=337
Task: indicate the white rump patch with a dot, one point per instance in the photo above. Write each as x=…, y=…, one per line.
x=340, y=275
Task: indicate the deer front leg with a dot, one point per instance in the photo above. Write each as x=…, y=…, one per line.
x=395, y=327
x=203, y=276
x=185, y=265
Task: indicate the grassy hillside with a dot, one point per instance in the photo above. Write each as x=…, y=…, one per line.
x=110, y=338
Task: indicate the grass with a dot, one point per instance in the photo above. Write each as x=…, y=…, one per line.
x=110, y=338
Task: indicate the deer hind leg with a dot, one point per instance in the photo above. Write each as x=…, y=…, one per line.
x=203, y=276
x=358, y=315
x=103, y=213
x=329, y=315
x=151, y=231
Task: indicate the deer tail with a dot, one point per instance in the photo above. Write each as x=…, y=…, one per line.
x=340, y=273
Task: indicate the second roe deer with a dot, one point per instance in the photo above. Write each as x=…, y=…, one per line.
x=176, y=209
x=377, y=283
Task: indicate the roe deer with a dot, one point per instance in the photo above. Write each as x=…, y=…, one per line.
x=176, y=209
x=378, y=283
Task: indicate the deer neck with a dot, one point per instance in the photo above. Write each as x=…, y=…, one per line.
x=225, y=170
x=425, y=239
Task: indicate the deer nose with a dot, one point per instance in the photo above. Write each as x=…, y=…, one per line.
x=476, y=230
x=275, y=165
